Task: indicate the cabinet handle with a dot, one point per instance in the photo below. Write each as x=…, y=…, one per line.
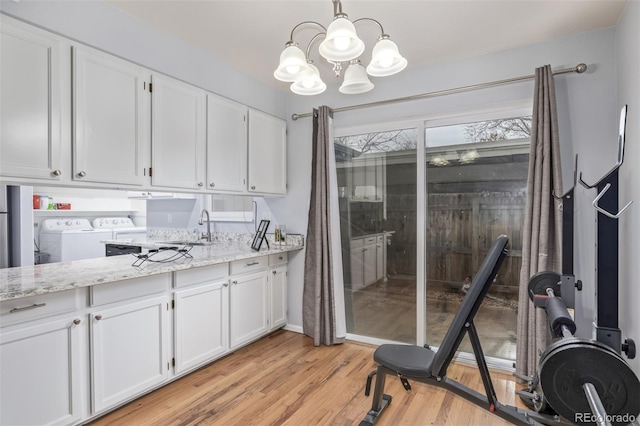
x=82, y=174
x=27, y=308
x=77, y=321
x=212, y=185
x=200, y=184
x=252, y=263
x=235, y=282
x=98, y=317
x=57, y=172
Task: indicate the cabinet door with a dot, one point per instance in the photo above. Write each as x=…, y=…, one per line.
x=111, y=117
x=267, y=154
x=201, y=323
x=30, y=101
x=226, y=145
x=41, y=370
x=357, y=269
x=129, y=349
x=369, y=253
x=278, y=290
x=247, y=308
x=178, y=134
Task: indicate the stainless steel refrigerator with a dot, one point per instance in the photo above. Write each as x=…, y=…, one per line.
x=4, y=228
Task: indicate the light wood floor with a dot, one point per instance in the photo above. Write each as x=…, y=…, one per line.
x=284, y=380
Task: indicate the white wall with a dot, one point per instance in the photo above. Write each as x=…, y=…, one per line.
x=628, y=64
x=586, y=108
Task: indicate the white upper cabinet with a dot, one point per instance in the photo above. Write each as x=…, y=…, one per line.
x=178, y=134
x=267, y=154
x=226, y=145
x=111, y=119
x=30, y=103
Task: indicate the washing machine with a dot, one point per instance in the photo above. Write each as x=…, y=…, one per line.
x=67, y=239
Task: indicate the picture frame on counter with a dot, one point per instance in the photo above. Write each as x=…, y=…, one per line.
x=260, y=234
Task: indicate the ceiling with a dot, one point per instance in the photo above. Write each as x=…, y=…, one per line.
x=251, y=34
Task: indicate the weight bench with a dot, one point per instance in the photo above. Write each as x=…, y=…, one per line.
x=410, y=362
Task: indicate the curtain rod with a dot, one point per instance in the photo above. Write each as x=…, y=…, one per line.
x=580, y=68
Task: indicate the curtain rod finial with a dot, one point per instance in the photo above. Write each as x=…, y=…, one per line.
x=294, y=117
x=580, y=68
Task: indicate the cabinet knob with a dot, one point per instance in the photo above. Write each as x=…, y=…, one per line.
x=274, y=272
x=200, y=184
x=212, y=185
x=82, y=174
x=57, y=172
x=98, y=317
x=77, y=321
x=235, y=282
x=225, y=285
x=253, y=187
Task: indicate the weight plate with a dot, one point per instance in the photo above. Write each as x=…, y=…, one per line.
x=540, y=282
x=568, y=364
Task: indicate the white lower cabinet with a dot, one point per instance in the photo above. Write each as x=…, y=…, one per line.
x=129, y=349
x=201, y=321
x=247, y=308
x=278, y=296
x=42, y=376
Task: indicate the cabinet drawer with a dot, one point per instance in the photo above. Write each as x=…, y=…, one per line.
x=369, y=240
x=40, y=306
x=205, y=274
x=129, y=289
x=248, y=265
x=278, y=259
x=357, y=243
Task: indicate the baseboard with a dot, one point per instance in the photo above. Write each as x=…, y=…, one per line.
x=294, y=328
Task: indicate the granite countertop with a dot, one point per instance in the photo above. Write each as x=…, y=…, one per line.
x=52, y=277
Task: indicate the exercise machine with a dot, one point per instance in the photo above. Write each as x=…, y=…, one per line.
x=606, y=350
x=417, y=363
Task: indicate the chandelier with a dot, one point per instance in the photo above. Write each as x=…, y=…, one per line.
x=341, y=44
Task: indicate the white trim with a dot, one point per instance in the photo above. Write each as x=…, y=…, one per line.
x=294, y=328
x=421, y=237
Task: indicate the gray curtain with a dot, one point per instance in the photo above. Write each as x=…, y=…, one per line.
x=318, y=301
x=542, y=232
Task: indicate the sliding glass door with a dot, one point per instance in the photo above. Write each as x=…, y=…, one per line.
x=419, y=208
x=377, y=196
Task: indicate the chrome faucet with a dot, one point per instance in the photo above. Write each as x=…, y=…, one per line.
x=207, y=236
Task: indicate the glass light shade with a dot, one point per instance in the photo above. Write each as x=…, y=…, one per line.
x=309, y=82
x=292, y=63
x=385, y=59
x=341, y=42
x=355, y=80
